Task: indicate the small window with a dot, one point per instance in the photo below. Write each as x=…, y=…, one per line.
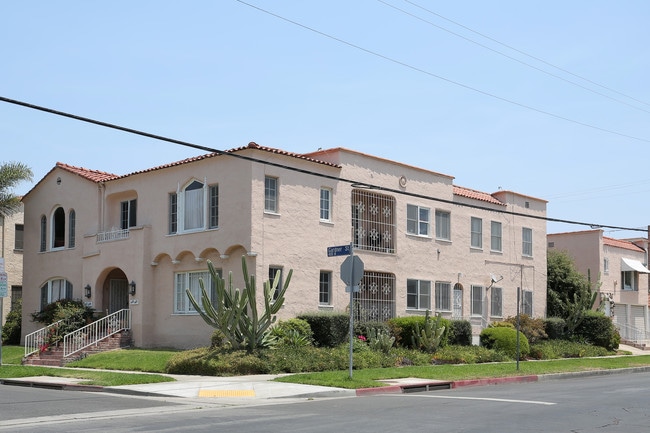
x=443, y=225
x=58, y=228
x=325, y=204
x=19, y=236
x=527, y=302
x=43, y=233
x=606, y=266
x=325, y=288
x=16, y=297
x=417, y=220
x=476, y=232
x=72, y=221
x=477, y=300
x=496, y=241
x=527, y=242
x=443, y=296
x=128, y=210
x=496, y=302
x=214, y=206
x=173, y=213
x=418, y=294
x=273, y=272
x=270, y=194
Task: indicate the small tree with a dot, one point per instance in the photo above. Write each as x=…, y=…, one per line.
x=235, y=313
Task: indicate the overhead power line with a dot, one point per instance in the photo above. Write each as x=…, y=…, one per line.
x=352, y=182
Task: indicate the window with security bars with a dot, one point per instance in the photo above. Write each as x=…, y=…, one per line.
x=375, y=300
x=373, y=221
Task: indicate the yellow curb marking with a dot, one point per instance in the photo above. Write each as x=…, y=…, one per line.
x=227, y=393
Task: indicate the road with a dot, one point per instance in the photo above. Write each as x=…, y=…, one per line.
x=609, y=403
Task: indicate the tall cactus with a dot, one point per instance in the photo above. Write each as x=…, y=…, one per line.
x=235, y=313
x=428, y=339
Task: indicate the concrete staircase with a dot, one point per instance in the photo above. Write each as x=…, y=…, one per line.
x=54, y=357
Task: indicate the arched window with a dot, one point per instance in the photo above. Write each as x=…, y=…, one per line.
x=58, y=228
x=190, y=208
x=72, y=217
x=55, y=290
x=43, y=233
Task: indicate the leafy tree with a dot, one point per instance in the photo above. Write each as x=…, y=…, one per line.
x=11, y=174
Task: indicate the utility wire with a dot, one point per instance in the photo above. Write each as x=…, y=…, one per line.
x=527, y=55
x=353, y=183
x=511, y=57
x=448, y=80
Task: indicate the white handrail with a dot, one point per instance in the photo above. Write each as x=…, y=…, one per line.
x=95, y=332
x=39, y=339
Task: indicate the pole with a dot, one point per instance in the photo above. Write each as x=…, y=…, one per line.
x=518, y=301
x=351, y=308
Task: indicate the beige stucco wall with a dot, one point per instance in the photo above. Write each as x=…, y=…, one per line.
x=293, y=238
x=13, y=259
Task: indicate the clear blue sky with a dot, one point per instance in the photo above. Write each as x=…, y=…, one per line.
x=546, y=98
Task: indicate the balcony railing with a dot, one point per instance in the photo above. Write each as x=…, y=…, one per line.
x=113, y=235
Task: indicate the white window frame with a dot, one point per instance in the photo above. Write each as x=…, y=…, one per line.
x=190, y=279
x=629, y=281
x=55, y=289
x=443, y=225
x=606, y=266
x=418, y=294
x=273, y=270
x=476, y=232
x=418, y=220
x=128, y=213
x=208, y=202
x=326, y=204
x=325, y=288
x=443, y=296
x=527, y=242
x=496, y=302
x=476, y=300
x=496, y=236
x=271, y=194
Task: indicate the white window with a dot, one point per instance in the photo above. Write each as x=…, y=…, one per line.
x=496, y=301
x=270, y=194
x=476, y=232
x=325, y=288
x=443, y=296
x=417, y=220
x=527, y=302
x=477, y=300
x=443, y=225
x=418, y=294
x=273, y=272
x=55, y=290
x=630, y=280
x=325, y=204
x=496, y=241
x=188, y=210
x=606, y=266
x=527, y=242
x=190, y=280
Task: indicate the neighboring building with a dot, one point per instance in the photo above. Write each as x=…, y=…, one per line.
x=12, y=254
x=462, y=253
x=619, y=271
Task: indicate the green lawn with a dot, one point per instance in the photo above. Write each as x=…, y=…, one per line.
x=150, y=360
x=12, y=354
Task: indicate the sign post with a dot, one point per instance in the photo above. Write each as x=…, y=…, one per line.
x=351, y=274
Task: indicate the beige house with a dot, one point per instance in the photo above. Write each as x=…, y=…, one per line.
x=137, y=241
x=618, y=271
x=12, y=259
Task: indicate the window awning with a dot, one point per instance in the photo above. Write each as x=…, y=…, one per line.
x=628, y=265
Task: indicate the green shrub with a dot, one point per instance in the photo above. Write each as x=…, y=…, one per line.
x=219, y=340
x=73, y=312
x=504, y=338
x=557, y=349
x=460, y=333
x=210, y=362
x=403, y=329
x=195, y=361
x=292, y=332
x=468, y=355
x=12, y=327
x=598, y=329
x=532, y=328
x=555, y=328
x=330, y=329
x=502, y=324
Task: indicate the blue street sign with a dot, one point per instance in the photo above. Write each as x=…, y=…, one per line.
x=341, y=250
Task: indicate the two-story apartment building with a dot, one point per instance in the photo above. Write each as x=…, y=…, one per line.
x=137, y=241
x=618, y=271
x=12, y=258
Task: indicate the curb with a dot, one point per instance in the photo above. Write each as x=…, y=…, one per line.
x=494, y=381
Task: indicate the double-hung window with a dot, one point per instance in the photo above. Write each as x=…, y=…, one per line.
x=476, y=232
x=191, y=280
x=325, y=204
x=417, y=220
x=496, y=240
x=271, y=194
x=443, y=225
x=527, y=242
x=325, y=288
x=477, y=300
x=443, y=296
x=496, y=302
x=418, y=294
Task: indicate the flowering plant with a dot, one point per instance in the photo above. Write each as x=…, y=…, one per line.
x=362, y=338
x=52, y=338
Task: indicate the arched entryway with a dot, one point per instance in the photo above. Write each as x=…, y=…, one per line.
x=116, y=292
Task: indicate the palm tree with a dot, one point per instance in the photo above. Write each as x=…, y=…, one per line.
x=11, y=174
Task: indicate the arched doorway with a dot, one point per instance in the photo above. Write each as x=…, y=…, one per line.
x=116, y=291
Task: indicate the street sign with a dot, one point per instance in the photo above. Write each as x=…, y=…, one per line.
x=352, y=270
x=3, y=285
x=341, y=250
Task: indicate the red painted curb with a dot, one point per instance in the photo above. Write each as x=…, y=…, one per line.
x=494, y=381
x=392, y=389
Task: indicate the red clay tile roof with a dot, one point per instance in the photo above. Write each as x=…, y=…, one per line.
x=305, y=156
x=92, y=175
x=476, y=195
x=618, y=243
